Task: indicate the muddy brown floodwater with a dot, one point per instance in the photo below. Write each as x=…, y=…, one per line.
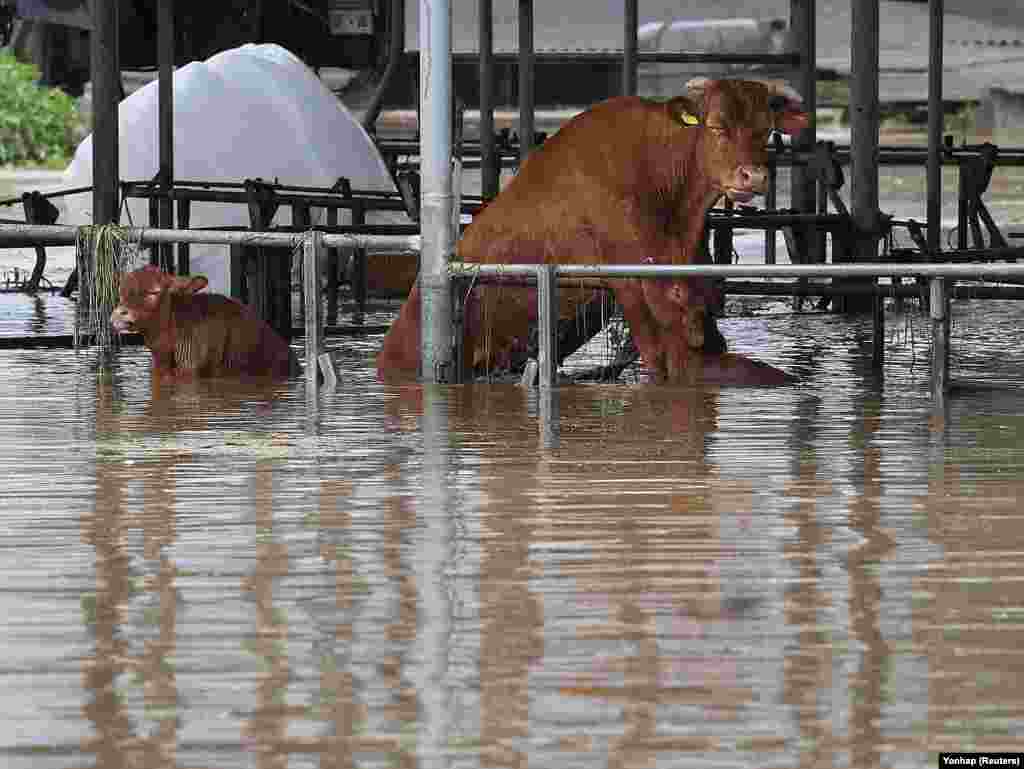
x=828, y=574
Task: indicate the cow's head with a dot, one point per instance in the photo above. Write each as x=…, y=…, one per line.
x=142, y=292
x=738, y=117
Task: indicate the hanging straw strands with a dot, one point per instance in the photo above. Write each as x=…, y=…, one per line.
x=103, y=254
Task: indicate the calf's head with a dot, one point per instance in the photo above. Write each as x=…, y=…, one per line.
x=142, y=293
x=738, y=117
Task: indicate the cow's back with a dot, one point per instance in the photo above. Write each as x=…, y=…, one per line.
x=218, y=335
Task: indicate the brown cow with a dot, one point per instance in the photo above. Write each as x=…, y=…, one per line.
x=628, y=181
x=197, y=335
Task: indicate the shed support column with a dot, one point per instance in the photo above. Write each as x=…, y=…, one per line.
x=864, y=119
x=490, y=167
x=547, y=325
x=803, y=25
x=933, y=214
x=939, y=310
x=312, y=252
x=165, y=57
x=436, y=199
x=526, y=62
x=106, y=75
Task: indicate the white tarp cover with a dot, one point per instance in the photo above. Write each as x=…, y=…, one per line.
x=253, y=111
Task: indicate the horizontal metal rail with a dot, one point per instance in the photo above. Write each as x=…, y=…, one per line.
x=648, y=57
x=973, y=271
x=20, y=235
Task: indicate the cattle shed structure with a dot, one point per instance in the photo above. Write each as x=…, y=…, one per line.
x=440, y=143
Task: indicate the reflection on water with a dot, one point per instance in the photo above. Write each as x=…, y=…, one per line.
x=821, y=575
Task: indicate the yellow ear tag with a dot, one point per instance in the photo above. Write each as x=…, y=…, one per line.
x=687, y=118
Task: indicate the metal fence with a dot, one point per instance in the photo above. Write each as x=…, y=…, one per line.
x=546, y=278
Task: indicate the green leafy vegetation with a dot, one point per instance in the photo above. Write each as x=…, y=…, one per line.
x=38, y=125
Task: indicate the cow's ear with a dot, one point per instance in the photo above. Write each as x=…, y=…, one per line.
x=696, y=88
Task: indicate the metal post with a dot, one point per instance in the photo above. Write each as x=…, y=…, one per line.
x=878, y=333
x=864, y=119
x=436, y=199
x=770, y=203
x=360, y=270
x=106, y=74
x=333, y=267
x=165, y=60
x=939, y=311
x=629, y=47
x=933, y=214
x=490, y=168
x=184, y=221
x=312, y=250
x=526, y=68
x=803, y=26
x=547, y=324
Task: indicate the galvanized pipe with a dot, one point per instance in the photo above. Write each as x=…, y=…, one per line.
x=939, y=311
x=106, y=93
x=436, y=198
x=547, y=324
x=961, y=271
x=933, y=208
x=20, y=235
x=312, y=251
x=489, y=165
x=526, y=69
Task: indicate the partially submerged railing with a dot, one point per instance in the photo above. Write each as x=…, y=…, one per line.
x=938, y=275
x=546, y=278
x=313, y=244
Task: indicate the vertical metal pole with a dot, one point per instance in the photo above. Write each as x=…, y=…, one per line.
x=864, y=120
x=490, y=167
x=165, y=61
x=526, y=67
x=770, y=203
x=629, y=47
x=933, y=215
x=436, y=199
x=878, y=334
x=106, y=74
x=803, y=30
x=333, y=266
x=184, y=220
x=547, y=324
x=360, y=270
x=312, y=250
x=939, y=310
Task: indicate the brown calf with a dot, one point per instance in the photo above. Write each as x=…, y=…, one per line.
x=197, y=335
x=628, y=181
